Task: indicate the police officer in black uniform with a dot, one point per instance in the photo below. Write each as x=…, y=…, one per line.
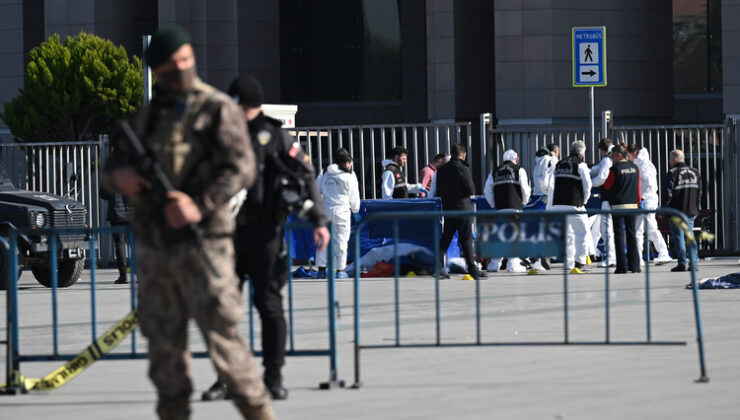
x=622, y=190
x=260, y=248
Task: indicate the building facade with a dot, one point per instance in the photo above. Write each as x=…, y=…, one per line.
x=412, y=61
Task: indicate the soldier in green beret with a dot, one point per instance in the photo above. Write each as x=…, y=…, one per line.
x=199, y=137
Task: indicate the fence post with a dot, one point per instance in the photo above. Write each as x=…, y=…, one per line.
x=485, y=119
x=332, y=298
x=13, y=381
x=9, y=389
x=730, y=162
x=693, y=258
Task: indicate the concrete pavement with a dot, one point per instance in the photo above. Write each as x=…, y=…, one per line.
x=507, y=382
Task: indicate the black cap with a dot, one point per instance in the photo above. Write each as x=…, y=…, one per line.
x=247, y=91
x=164, y=43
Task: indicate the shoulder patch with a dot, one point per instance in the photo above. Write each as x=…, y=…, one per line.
x=264, y=137
x=293, y=152
x=306, y=158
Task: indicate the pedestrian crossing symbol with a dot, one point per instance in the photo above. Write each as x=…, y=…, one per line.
x=589, y=56
x=587, y=52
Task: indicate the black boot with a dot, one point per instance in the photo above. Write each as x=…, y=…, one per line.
x=121, y=279
x=274, y=384
x=217, y=391
x=678, y=268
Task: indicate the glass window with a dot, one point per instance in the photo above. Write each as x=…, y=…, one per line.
x=697, y=48
x=340, y=50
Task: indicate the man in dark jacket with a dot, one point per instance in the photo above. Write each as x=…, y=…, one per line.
x=117, y=216
x=622, y=190
x=455, y=186
x=260, y=248
x=682, y=191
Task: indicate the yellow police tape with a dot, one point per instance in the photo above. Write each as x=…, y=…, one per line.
x=82, y=361
x=689, y=233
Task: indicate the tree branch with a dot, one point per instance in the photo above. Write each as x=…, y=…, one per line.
x=87, y=125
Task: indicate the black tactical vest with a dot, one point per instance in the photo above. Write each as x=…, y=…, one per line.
x=568, y=185
x=400, y=189
x=507, y=189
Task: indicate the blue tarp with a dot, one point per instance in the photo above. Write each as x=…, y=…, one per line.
x=380, y=233
x=413, y=231
x=375, y=234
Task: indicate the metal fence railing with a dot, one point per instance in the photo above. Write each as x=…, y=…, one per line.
x=24, y=349
x=703, y=146
x=529, y=233
x=370, y=144
x=49, y=167
x=45, y=166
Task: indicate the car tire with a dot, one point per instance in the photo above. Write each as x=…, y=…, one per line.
x=68, y=272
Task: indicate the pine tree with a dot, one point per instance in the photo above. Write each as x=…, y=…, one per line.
x=74, y=90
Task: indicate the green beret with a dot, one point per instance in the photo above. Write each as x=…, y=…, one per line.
x=164, y=43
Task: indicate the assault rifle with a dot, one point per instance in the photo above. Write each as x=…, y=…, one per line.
x=152, y=171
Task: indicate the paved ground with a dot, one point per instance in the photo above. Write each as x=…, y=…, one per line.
x=506, y=382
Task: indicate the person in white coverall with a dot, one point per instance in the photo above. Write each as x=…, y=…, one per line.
x=571, y=190
x=507, y=189
x=649, y=191
x=341, y=196
x=542, y=177
x=604, y=228
x=544, y=167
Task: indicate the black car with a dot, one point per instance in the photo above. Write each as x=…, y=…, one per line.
x=31, y=213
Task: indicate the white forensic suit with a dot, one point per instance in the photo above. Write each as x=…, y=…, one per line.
x=602, y=226
x=514, y=264
x=341, y=196
x=544, y=168
x=570, y=174
x=649, y=191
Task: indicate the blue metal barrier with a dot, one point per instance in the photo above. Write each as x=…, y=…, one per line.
x=15, y=356
x=490, y=215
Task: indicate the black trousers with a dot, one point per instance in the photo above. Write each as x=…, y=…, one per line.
x=119, y=244
x=464, y=228
x=261, y=254
x=631, y=261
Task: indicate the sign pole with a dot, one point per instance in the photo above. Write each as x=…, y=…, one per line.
x=591, y=99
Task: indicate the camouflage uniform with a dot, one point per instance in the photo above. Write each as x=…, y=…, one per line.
x=201, y=142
